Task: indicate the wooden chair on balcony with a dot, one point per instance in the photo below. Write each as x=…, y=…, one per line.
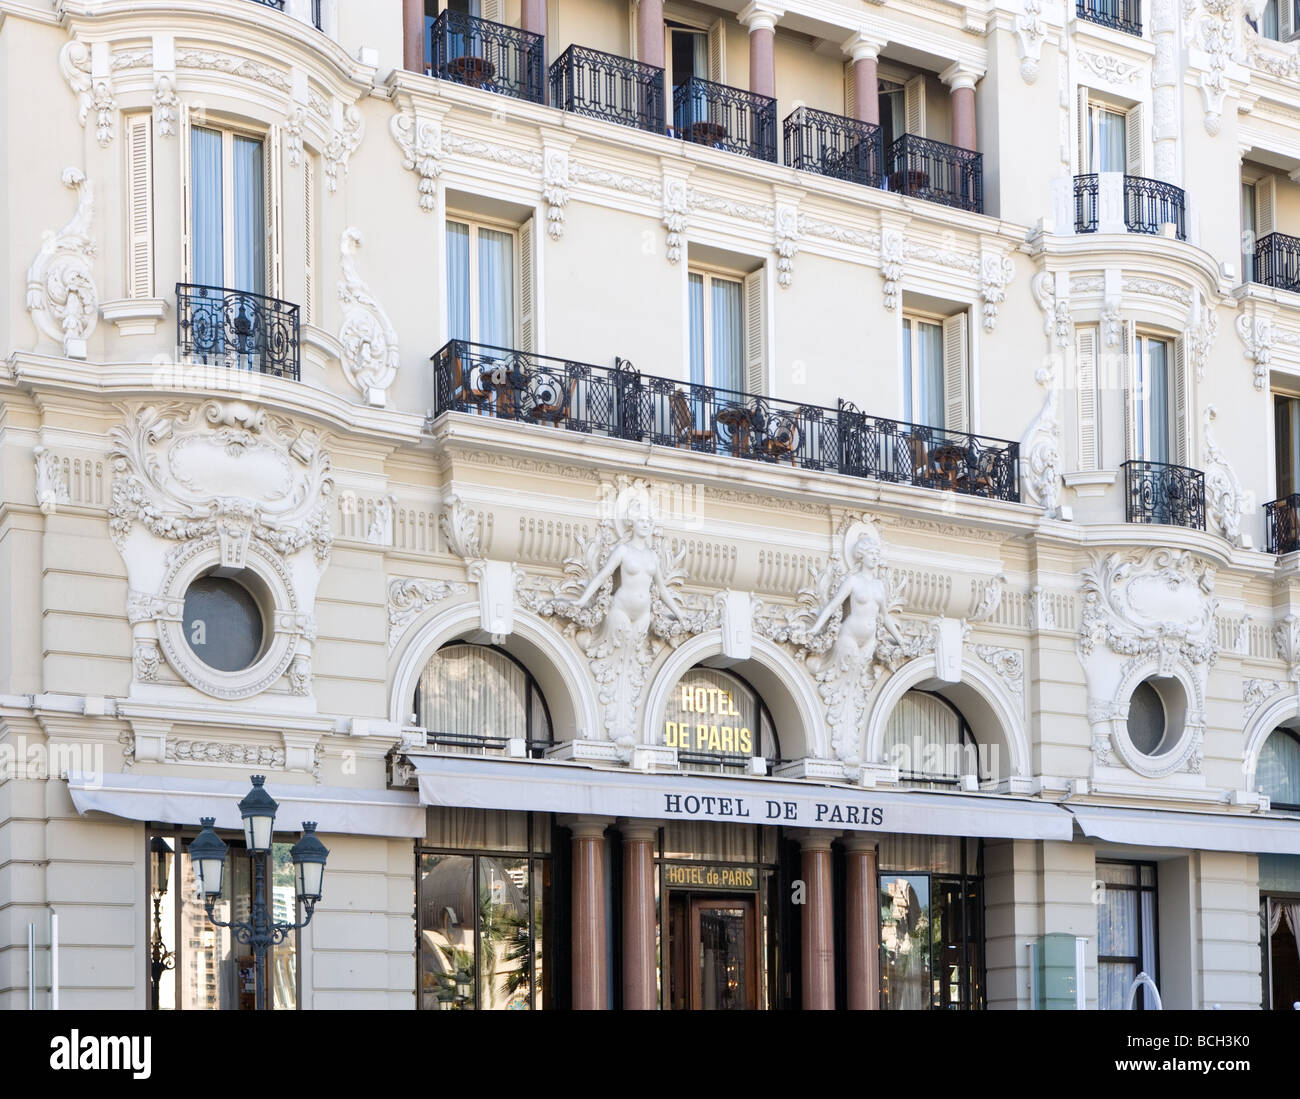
x=782, y=439
x=463, y=387
x=682, y=424
x=556, y=411
x=918, y=459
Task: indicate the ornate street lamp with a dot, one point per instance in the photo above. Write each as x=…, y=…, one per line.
x=160, y=958
x=208, y=854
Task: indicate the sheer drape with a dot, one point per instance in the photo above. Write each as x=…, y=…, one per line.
x=695, y=295
x=1154, y=390
x=1111, y=153
x=207, y=261
x=728, y=356
x=709, y=840
x=476, y=829
x=469, y=690
x=923, y=372
x=923, y=737
x=496, y=297
x=458, y=324
x=1278, y=771
x=250, y=217
x=931, y=854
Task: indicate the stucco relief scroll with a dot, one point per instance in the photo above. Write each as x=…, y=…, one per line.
x=370, y=353
x=420, y=139
x=94, y=90
x=61, y=295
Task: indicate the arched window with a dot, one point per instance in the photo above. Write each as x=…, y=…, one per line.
x=1277, y=773
x=475, y=698
x=930, y=742
x=718, y=722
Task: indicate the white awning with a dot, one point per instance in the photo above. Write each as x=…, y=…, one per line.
x=1195, y=831
x=549, y=786
x=172, y=799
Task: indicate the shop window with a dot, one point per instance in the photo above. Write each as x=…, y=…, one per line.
x=485, y=912
x=718, y=722
x=935, y=371
x=1126, y=931
x=231, y=201
x=930, y=743
x=931, y=923
x=472, y=698
x=1279, y=931
x=208, y=970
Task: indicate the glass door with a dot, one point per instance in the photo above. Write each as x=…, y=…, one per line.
x=722, y=948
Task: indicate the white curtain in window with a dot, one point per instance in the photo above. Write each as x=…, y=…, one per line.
x=206, y=201
x=250, y=217
x=923, y=737
x=473, y=691
x=923, y=369
x=710, y=840
x=1112, y=153
x=920, y=854
x=476, y=829
x=458, y=326
x=1117, y=935
x=728, y=352
x=1268, y=21
x=695, y=295
x=1278, y=771
x=496, y=285
x=1153, y=390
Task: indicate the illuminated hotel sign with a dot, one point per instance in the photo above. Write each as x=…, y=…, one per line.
x=677, y=876
x=708, y=722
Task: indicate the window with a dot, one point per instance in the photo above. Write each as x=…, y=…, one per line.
x=1111, y=138
x=717, y=331
x=696, y=51
x=1277, y=773
x=717, y=721
x=1277, y=20
x=209, y=970
x=1157, y=406
x=1286, y=443
x=1157, y=711
x=482, y=289
x=223, y=623
x=1258, y=221
x=931, y=923
x=485, y=911
x=934, y=371
x=228, y=197
x=930, y=743
x=902, y=108
x=1248, y=200
x=472, y=697
x=1126, y=931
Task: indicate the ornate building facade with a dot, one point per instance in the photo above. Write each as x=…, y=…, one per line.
x=788, y=504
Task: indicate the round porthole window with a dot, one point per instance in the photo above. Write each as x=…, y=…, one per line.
x=1156, y=713
x=223, y=622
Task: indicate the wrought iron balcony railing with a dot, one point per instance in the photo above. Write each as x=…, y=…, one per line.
x=492, y=56
x=622, y=403
x=936, y=172
x=1120, y=15
x=833, y=145
x=1282, y=523
x=1161, y=493
x=1149, y=205
x=726, y=118
x=277, y=4
x=221, y=327
x=604, y=85
x=1277, y=261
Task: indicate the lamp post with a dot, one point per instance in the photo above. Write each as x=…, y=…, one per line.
x=160, y=958
x=208, y=854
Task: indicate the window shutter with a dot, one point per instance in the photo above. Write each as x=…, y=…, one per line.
x=527, y=284
x=1181, y=449
x=139, y=192
x=850, y=92
x=914, y=106
x=187, y=216
x=274, y=191
x=718, y=52
x=1083, y=124
x=954, y=373
x=1265, y=206
x=1130, y=393
x=1133, y=137
x=1085, y=367
x=1285, y=19
x=491, y=10
x=309, y=237
x=755, y=335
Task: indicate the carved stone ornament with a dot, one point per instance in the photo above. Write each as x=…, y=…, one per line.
x=891, y=265
x=420, y=140
x=1256, y=692
x=1256, y=334
x=787, y=243
x=1008, y=663
x=295, y=126
x=61, y=294
x=408, y=599
x=995, y=272
x=1030, y=32
x=1199, y=338
x=555, y=189
x=1215, y=32
x=620, y=599
x=1225, y=500
x=461, y=527
x=344, y=138
x=1287, y=637
x=94, y=93
x=674, y=218
x=51, y=481
x=1053, y=299
x=165, y=104
x=1040, y=451
x=370, y=353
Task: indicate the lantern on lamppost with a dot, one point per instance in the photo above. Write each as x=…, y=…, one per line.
x=160, y=866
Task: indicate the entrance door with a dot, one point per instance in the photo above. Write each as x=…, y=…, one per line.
x=713, y=943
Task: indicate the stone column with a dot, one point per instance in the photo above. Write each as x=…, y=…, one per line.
x=639, y=991
x=650, y=32
x=864, y=52
x=590, y=983
x=413, y=43
x=961, y=80
x=532, y=16
x=861, y=923
x=818, y=942
x=760, y=19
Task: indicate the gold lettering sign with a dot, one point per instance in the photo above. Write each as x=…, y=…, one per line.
x=677, y=876
x=705, y=736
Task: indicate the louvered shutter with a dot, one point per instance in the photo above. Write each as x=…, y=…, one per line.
x=718, y=52
x=755, y=335
x=1182, y=443
x=1134, y=141
x=955, y=417
x=914, y=106
x=271, y=212
x=527, y=290
x=1083, y=125
x=309, y=238
x=139, y=200
x=187, y=214
x=850, y=92
x=1085, y=367
x=1285, y=19
x=1265, y=206
x=1131, y=395
x=491, y=10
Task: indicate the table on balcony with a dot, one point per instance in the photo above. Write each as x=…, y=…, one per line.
x=708, y=133
x=740, y=422
x=948, y=461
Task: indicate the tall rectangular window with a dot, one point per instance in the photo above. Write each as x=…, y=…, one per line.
x=1126, y=932
x=1248, y=231
x=228, y=214
x=482, y=301
x=1155, y=441
x=923, y=372
x=716, y=331
x=1286, y=443
x=1107, y=139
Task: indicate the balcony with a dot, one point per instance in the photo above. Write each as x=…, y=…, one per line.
x=1148, y=205
x=1277, y=261
x=726, y=118
x=604, y=85
x=1161, y=493
x=1282, y=524
x=947, y=174
x=1120, y=15
x=491, y=56
x=835, y=146
x=621, y=403
x=222, y=327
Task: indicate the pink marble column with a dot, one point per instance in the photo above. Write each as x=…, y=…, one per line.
x=962, y=83
x=650, y=32
x=590, y=982
x=532, y=16
x=818, y=943
x=413, y=43
x=639, y=991
x=861, y=924
x=866, y=84
x=761, y=22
